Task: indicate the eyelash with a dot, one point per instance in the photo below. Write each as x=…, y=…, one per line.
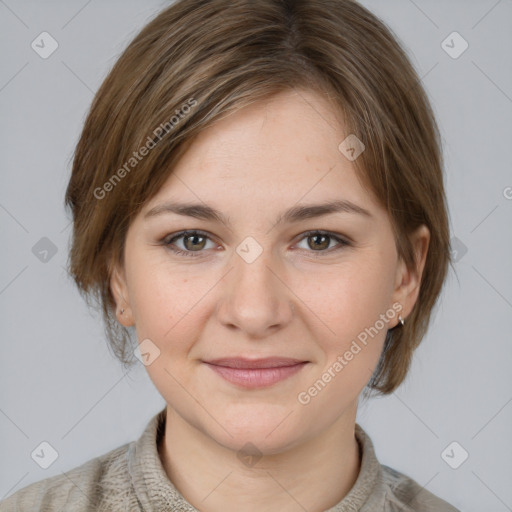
x=169, y=241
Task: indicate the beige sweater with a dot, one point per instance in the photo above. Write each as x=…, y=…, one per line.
x=131, y=478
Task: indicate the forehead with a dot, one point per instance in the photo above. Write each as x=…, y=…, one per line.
x=282, y=150
x=291, y=125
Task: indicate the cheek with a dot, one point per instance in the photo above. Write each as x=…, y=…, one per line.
x=353, y=304
x=351, y=295
x=166, y=300
x=352, y=308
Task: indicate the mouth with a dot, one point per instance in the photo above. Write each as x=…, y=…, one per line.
x=255, y=373
x=264, y=363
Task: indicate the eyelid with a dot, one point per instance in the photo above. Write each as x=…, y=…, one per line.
x=180, y=234
x=342, y=240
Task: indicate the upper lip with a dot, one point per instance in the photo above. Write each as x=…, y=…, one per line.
x=242, y=362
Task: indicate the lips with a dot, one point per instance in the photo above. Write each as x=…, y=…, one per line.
x=268, y=362
x=255, y=373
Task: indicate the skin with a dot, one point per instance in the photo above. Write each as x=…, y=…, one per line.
x=294, y=300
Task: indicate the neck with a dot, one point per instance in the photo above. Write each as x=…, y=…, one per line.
x=314, y=475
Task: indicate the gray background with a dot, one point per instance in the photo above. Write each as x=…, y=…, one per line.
x=59, y=382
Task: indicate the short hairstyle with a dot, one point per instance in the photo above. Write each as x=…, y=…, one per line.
x=200, y=60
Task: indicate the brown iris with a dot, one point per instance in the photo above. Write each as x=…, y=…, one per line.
x=194, y=244
x=320, y=245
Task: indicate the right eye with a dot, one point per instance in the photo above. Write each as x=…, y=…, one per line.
x=193, y=242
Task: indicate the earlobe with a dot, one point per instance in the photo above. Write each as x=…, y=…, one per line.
x=119, y=291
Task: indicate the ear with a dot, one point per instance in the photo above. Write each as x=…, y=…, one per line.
x=119, y=290
x=408, y=280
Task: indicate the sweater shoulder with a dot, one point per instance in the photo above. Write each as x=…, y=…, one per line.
x=403, y=494
x=82, y=488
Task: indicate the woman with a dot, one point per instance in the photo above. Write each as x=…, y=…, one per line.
x=258, y=196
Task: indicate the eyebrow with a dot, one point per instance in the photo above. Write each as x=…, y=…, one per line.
x=294, y=214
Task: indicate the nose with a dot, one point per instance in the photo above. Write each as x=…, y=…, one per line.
x=255, y=298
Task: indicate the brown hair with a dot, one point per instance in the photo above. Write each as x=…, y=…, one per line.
x=199, y=60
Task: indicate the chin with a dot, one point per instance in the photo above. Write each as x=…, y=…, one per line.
x=266, y=431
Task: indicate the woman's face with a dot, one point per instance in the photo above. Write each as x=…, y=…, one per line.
x=258, y=285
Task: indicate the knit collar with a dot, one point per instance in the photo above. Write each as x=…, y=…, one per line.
x=156, y=493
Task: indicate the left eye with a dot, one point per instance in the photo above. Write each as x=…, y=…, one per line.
x=195, y=242
x=322, y=240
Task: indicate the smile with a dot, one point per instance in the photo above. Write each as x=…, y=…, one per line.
x=255, y=373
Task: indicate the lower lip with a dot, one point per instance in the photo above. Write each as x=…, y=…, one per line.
x=256, y=377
